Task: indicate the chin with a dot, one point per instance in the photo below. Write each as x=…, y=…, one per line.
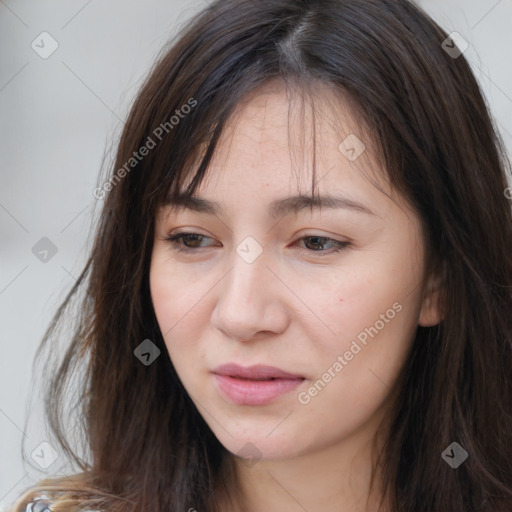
x=257, y=445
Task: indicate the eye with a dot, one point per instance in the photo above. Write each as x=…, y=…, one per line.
x=189, y=242
x=194, y=238
x=315, y=241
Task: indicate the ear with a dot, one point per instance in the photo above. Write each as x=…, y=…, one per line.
x=431, y=312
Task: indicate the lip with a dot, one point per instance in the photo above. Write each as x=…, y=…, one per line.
x=258, y=371
x=254, y=385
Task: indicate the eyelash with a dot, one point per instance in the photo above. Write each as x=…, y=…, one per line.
x=174, y=240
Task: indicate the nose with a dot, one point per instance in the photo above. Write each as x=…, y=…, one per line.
x=250, y=301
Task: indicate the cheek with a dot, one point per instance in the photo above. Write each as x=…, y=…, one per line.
x=176, y=302
x=165, y=296
x=177, y=305
x=346, y=302
x=176, y=295
x=357, y=368
x=369, y=315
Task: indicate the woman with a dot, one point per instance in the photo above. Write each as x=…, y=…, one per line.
x=300, y=289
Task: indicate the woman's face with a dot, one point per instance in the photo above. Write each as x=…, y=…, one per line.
x=266, y=286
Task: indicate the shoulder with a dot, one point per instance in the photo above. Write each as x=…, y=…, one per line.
x=39, y=504
x=43, y=503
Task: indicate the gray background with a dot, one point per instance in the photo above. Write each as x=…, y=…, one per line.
x=59, y=117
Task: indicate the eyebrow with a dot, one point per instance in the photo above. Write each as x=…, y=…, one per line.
x=278, y=207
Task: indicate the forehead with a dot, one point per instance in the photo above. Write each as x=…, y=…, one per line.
x=277, y=138
x=278, y=116
x=275, y=145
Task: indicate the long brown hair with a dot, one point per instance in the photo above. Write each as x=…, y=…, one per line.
x=148, y=446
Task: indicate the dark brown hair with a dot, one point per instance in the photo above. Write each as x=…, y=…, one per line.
x=148, y=448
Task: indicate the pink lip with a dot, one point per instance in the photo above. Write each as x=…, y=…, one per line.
x=252, y=385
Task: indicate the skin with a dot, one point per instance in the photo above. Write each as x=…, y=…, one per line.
x=293, y=308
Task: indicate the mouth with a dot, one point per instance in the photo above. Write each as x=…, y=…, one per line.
x=254, y=385
x=256, y=372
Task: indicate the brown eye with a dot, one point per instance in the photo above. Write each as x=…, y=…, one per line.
x=314, y=243
x=187, y=242
x=190, y=241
